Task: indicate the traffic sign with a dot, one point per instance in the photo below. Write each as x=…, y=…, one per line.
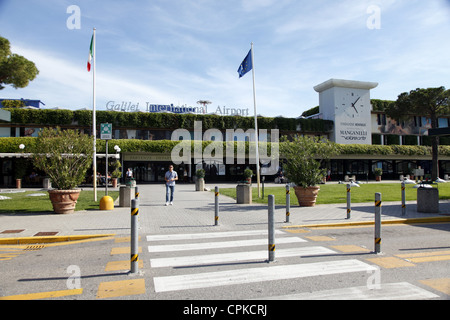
x=106, y=131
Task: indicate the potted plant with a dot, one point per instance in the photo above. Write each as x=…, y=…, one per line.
x=116, y=173
x=303, y=167
x=65, y=156
x=248, y=173
x=200, y=181
x=378, y=172
x=19, y=172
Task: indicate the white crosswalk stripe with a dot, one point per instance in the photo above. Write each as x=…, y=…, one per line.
x=210, y=235
x=215, y=245
x=388, y=291
x=209, y=250
x=236, y=256
x=242, y=276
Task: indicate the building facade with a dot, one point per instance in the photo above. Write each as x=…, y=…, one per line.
x=347, y=115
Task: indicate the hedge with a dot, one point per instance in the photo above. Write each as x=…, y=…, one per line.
x=146, y=120
x=11, y=145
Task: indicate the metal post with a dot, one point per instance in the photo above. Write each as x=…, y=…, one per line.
x=271, y=228
x=349, y=201
x=403, y=199
x=106, y=169
x=136, y=193
x=134, y=257
x=288, y=202
x=377, y=222
x=216, y=207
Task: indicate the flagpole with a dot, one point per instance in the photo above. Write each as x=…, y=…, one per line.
x=94, y=124
x=258, y=179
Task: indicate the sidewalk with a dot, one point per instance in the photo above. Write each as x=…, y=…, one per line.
x=193, y=212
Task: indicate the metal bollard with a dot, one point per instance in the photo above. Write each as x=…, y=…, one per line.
x=136, y=196
x=349, y=201
x=134, y=257
x=288, y=203
x=271, y=246
x=403, y=199
x=377, y=222
x=216, y=207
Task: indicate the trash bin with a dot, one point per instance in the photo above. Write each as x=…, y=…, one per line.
x=126, y=194
x=427, y=200
x=244, y=193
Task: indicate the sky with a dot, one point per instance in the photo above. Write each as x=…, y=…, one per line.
x=182, y=51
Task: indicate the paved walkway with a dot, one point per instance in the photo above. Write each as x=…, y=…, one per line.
x=194, y=212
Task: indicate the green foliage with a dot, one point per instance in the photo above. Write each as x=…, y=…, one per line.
x=147, y=120
x=64, y=156
x=116, y=172
x=381, y=105
x=21, y=165
x=41, y=117
x=200, y=173
x=248, y=173
x=311, y=111
x=13, y=104
x=303, y=159
x=11, y=145
x=378, y=172
x=15, y=70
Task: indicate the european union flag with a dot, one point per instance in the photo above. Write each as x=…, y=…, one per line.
x=246, y=65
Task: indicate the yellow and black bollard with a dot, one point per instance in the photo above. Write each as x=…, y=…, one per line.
x=288, y=202
x=377, y=222
x=216, y=207
x=271, y=224
x=403, y=199
x=349, y=201
x=134, y=257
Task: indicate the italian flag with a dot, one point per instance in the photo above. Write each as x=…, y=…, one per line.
x=90, y=55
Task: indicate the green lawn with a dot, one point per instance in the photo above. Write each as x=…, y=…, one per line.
x=337, y=193
x=21, y=202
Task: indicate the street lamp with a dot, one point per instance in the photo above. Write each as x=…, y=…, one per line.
x=117, y=148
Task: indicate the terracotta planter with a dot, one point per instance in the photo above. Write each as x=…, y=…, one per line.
x=114, y=182
x=378, y=178
x=64, y=201
x=18, y=183
x=307, y=196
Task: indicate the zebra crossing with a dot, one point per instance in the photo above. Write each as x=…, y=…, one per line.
x=202, y=253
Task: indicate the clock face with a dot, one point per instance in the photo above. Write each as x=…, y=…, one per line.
x=351, y=105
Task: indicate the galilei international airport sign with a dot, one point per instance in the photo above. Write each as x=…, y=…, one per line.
x=128, y=106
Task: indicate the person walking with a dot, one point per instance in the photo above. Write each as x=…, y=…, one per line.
x=170, y=177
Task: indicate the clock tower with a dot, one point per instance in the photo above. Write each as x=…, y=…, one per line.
x=347, y=103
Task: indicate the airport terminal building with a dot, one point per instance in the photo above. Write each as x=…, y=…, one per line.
x=346, y=115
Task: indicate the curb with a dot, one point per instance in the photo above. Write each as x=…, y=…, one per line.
x=53, y=239
x=368, y=223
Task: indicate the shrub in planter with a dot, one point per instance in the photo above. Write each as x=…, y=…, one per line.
x=200, y=182
x=378, y=172
x=117, y=173
x=248, y=173
x=304, y=157
x=65, y=156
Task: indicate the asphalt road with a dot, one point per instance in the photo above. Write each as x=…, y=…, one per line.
x=325, y=263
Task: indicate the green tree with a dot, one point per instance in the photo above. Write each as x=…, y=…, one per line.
x=305, y=157
x=64, y=155
x=15, y=70
x=432, y=103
